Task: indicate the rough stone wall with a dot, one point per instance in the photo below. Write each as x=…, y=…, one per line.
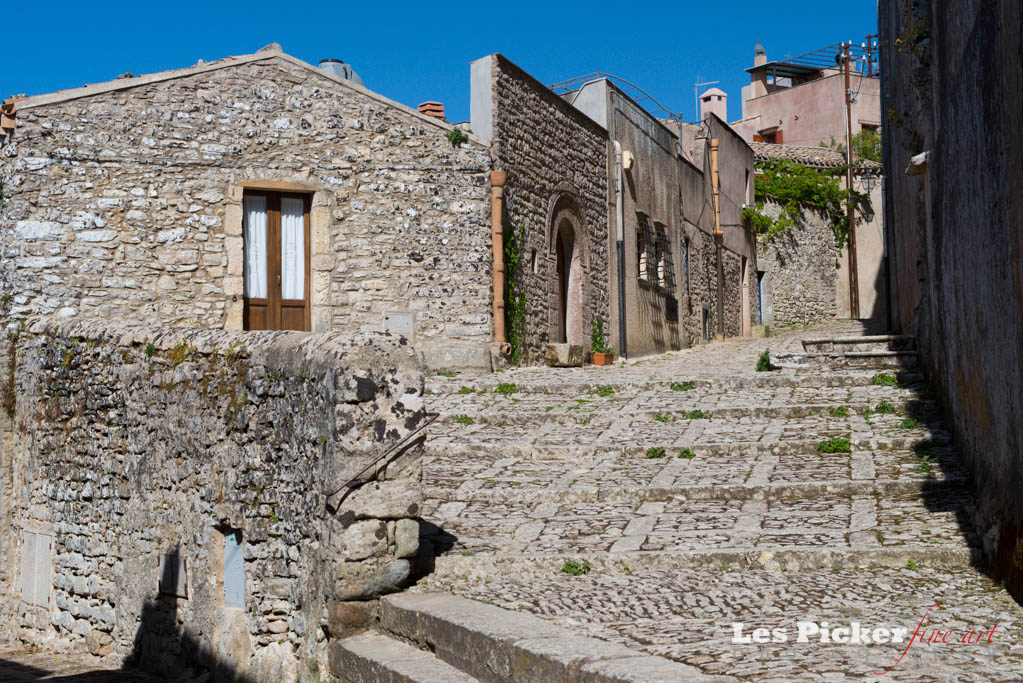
x=549, y=148
x=799, y=270
x=954, y=88
x=131, y=442
x=116, y=203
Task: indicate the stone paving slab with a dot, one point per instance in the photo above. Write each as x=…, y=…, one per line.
x=687, y=615
x=20, y=665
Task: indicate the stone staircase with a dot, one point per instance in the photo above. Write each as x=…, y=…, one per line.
x=874, y=351
x=654, y=505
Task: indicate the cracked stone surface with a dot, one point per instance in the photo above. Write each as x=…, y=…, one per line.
x=683, y=523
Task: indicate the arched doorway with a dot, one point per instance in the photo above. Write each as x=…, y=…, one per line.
x=567, y=281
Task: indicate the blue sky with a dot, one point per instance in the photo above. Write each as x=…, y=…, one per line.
x=421, y=51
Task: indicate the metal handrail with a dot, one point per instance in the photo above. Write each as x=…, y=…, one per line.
x=400, y=443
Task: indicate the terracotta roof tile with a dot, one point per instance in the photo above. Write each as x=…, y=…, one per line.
x=816, y=157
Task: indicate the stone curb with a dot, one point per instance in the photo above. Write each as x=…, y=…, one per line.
x=495, y=644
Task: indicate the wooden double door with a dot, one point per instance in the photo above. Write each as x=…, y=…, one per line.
x=276, y=229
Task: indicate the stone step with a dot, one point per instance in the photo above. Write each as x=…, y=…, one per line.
x=569, y=411
x=510, y=493
x=376, y=658
x=851, y=359
x=883, y=342
x=774, y=559
x=494, y=644
x=840, y=377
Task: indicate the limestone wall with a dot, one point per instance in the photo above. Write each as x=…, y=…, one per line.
x=952, y=91
x=128, y=203
x=800, y=275
x=130, y=447
x=556, y=159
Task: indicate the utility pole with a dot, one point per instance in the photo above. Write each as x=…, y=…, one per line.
x=854, y=287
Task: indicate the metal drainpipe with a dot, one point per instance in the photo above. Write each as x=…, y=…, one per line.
x=620, y=217
x=497, y=181
x=719, y=237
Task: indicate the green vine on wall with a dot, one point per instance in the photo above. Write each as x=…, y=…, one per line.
x=514, y=299
x=797, y=187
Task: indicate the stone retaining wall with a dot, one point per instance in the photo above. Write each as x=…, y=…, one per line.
x=133, y=451
x=800, y=271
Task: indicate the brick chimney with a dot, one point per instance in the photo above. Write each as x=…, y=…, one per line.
x=432, y=109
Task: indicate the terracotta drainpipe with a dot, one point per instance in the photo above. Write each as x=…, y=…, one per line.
x=497, y=181
x=719, y=237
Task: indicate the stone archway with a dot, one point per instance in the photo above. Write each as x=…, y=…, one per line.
x=568, y=278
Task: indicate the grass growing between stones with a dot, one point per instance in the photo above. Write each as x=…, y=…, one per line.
x=661, y=417
x=696, y=415
x=465, y=390
x=446, y=373
x=883, y=379
x=604, y=391
x=885, y=407
x=909, y=423
x=682, y=386
x=686, y=453
x=574, y=568
x=655, y=452
x=506, y=388
x=840, y=411
x=836, y=445
x=464, y=420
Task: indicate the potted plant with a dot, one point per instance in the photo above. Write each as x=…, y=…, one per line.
x=602, y=354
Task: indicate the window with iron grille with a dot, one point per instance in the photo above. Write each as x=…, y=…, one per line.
x=665, y=262
x=646, y=263
x=688, y=288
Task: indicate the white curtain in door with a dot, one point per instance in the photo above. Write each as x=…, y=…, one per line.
x=255, y=247
x=292, y=248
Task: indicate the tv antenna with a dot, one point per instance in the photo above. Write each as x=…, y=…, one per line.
x=696, y=94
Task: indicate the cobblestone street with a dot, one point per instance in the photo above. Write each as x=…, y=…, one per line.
x=656, y=503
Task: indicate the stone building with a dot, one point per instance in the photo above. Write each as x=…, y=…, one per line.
x=953, y=91
x=804, y=277
x=566, y=159
x=256, y=192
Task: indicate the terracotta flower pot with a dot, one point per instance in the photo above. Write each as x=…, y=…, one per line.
x=603, y=358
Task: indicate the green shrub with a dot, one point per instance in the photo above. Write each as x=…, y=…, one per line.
x=655, y=452
x=836, y=445
x=456, y=137
x=687, y=453
x=597, y=344
x=764, y=362
x=883, y=379
x=576, y=568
